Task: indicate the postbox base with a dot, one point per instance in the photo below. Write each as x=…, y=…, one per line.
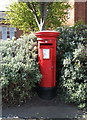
x=47, y=93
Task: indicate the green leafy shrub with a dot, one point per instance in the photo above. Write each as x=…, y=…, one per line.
x=20, y=70
x=72, y=56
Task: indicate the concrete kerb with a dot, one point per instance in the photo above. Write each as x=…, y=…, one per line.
x=43, y=119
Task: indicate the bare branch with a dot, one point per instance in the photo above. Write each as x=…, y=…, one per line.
x=33, y=9
x=29, y=5
x=43, y=13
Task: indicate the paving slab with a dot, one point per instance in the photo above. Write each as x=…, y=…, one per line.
x=42, y=109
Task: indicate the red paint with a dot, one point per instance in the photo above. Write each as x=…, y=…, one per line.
x=47, y=63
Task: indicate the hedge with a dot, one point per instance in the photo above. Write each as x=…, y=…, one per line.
x=72, y=67
x=20, y=71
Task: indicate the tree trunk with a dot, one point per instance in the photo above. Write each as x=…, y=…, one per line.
x=43, y=13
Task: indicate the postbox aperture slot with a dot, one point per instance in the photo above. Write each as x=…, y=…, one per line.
x=46, y=44
x=46, y=53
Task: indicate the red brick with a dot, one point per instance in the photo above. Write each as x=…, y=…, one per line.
x=18, y=33
x=81, y=11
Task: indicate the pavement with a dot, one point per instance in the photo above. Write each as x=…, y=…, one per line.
x=42, y=109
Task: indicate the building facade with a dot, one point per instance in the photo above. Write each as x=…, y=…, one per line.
x=6, y=31
x=81, y=11
x=70, y=17
x=77, y=12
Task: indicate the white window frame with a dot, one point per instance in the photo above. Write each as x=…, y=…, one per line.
x=69, y=14
x=4, y=32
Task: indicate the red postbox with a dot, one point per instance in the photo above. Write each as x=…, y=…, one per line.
x=47, y=63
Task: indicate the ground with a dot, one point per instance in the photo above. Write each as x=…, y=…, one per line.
x=43, y=109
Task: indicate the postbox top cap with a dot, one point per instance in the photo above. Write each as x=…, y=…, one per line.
x=47, y=33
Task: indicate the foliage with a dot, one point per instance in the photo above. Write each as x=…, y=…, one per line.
x=21, y=17
x=20, y=71
x=31, y=16
x=72, y=50
x=57, y=14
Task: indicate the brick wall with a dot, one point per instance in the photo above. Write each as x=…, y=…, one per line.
x=86, y=12
x=18, y=33
x=81, y=11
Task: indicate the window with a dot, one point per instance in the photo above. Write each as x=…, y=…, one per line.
x=11, y=33
x=4, y=33
x=2, y=14
x=68, y=16
x=7, y=32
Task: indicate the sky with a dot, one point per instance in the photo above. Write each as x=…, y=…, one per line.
x=4, y=4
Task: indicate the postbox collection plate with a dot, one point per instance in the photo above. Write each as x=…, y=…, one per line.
x=46, y=53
